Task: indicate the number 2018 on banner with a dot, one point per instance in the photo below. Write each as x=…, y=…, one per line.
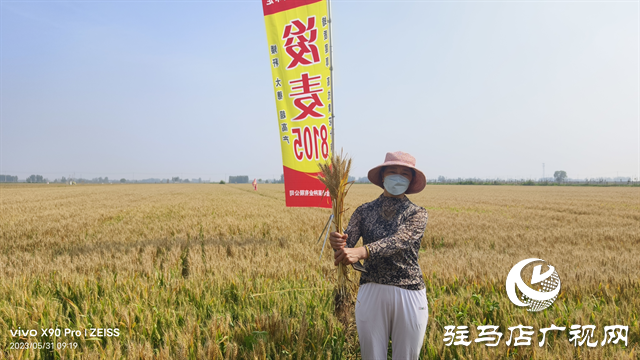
x=305, y=144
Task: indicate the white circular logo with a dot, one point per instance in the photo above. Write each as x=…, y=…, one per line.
x=542, y=290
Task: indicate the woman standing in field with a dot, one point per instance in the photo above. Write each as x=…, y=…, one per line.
x=392, y=298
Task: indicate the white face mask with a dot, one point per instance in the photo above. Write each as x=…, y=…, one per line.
x=396, y=184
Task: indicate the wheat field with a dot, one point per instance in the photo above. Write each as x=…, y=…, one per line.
x=194, y=271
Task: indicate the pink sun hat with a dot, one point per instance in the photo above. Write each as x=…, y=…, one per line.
x=403, y=159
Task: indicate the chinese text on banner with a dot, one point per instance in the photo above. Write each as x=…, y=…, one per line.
x=298, y=39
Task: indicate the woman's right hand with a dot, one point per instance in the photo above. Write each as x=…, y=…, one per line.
x=338, y=241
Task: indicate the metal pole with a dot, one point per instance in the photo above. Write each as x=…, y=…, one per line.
x=332, y=121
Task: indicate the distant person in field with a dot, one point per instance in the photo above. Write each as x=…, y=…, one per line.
x=392, y=300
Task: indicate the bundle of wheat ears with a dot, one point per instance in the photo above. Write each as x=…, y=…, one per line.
x=335, y=176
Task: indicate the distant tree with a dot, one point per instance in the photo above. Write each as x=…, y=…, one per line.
x=175, y=179
x=560, y=175
x=221, y=182
x=441, y=178
x=35, y=179
x=123, y=180
x=8, y=178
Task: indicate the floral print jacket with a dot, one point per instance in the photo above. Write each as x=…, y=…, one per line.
x=392, y=229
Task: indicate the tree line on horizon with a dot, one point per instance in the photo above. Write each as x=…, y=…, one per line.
x=559, y=177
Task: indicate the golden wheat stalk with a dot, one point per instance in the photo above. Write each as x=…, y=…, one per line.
x=335, y=176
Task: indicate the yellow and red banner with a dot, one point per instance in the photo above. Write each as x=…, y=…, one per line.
x=298, y=38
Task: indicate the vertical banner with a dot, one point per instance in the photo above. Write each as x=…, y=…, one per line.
x=298, y=39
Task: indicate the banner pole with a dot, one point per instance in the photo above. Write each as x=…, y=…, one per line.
x=332, y=117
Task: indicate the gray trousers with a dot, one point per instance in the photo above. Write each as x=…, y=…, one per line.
x=384, y=311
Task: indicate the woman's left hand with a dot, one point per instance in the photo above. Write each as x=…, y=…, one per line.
x=349, y=256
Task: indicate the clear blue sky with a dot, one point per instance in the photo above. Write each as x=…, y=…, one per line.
x=176, y=88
